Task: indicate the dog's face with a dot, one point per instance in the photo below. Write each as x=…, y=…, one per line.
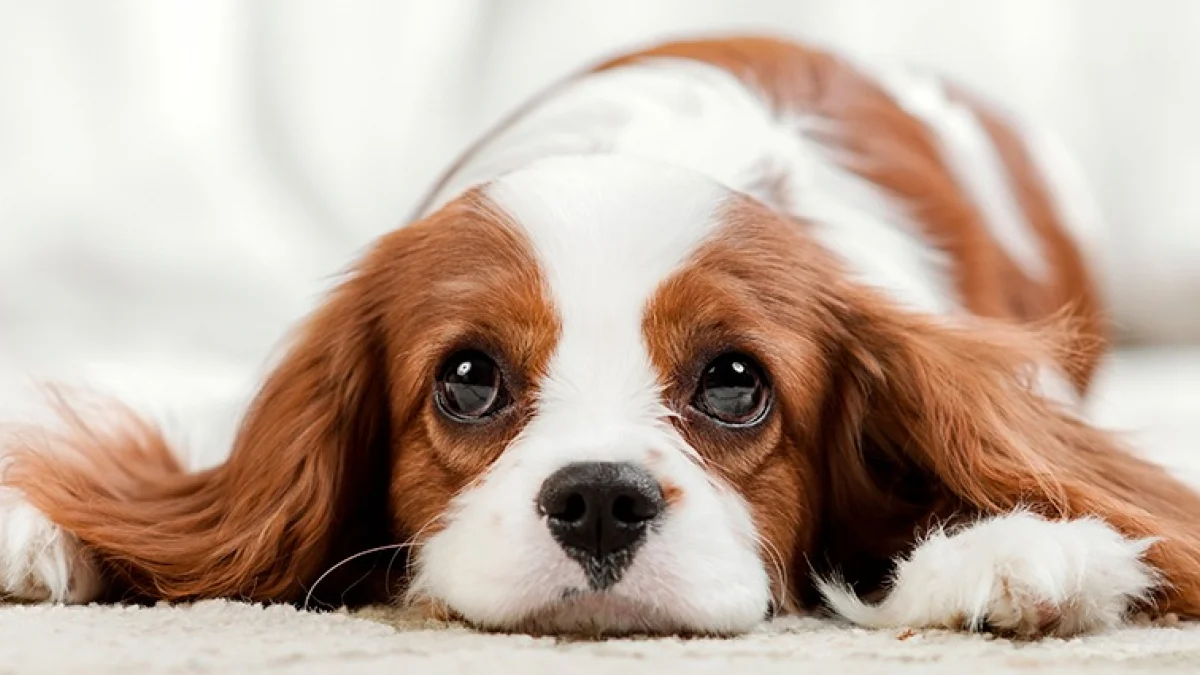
x=601, y=383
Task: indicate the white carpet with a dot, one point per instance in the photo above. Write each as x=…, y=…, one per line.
x=221, y=637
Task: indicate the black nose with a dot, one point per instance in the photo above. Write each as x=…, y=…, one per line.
x=600, y=510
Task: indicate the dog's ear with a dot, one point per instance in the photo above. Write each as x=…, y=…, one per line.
x=937, y=418
x=306, y=482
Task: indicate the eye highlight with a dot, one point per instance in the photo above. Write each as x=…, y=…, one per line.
x=733, y=390
x=470, y=386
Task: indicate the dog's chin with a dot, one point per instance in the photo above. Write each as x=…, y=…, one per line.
x=597, y=614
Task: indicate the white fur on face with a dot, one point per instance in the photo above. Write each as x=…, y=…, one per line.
x=607, y=232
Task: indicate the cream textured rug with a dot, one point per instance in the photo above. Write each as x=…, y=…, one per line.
x=224, y=637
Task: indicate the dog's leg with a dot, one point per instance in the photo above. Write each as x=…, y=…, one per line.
x=1018, y=574
x=39, y=560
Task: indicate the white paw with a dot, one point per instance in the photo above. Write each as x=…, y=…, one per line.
x=38, y=559
x=1018, y=574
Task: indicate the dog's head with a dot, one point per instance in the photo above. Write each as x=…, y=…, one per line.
x=595, y=394
x=597, y=371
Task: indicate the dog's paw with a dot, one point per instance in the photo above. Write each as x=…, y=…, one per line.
x=1017, y=574
x=39, y=561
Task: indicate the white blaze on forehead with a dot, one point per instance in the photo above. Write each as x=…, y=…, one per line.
x=607, y=231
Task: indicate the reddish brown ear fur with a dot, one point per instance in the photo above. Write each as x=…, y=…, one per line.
x=937, y=421
x=306, y=481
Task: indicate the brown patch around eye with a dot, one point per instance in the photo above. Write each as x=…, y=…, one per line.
x=499, y=308
x=752, y=289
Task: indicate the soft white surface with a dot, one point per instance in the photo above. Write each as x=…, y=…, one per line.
x=218, y=637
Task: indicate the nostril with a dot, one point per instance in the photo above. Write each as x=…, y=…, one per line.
x=574, y=509
x=631, y=510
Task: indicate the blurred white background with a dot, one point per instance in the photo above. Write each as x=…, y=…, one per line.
x=179, y=180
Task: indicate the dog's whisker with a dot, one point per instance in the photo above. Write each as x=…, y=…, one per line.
x=414, y=542
x=780, y=571
x=377, y=549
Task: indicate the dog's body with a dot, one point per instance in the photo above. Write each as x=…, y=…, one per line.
x=686, y=335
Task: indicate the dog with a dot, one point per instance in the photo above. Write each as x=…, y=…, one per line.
x=714, y=331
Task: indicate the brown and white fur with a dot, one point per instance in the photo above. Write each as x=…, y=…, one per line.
x=895, y=252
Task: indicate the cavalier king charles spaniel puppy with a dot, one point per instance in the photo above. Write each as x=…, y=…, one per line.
x=713, y=331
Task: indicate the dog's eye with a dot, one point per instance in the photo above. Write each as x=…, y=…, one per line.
x=733, y=390
x=469, y=386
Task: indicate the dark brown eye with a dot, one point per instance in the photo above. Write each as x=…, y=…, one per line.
x=733, y=390
x=469, y=386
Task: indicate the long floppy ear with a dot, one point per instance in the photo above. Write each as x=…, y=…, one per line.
x=304, y=484
x=937, y=420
